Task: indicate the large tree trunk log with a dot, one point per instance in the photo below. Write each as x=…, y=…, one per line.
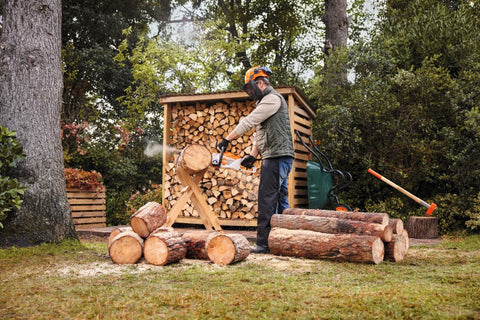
x=126, y=248
x=163, y=248
x=194, y=158
x=115, y=232
x=331, y=225
x=317, y=245
x=195, y=242
x=396, y=225
x=422, y=227
x=373, y=217
x=148, y=218
x=224, y=249
x=31, y=83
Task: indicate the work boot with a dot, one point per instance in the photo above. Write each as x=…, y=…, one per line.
x=259, y=249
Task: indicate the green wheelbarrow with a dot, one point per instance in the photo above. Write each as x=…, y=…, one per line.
x=322, y=191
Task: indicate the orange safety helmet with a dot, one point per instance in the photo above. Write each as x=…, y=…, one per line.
x=256, y=72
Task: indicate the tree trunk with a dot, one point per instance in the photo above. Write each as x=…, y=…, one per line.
x=163, y=248
x=195, y=158
x=373, y=217
x=196, y=243
x=422, y=227
x=224, y=249
x=148, y=218
x=331, y=225
x=336, y=24
x=30, y=102
x=126, y=248
x=317, y=245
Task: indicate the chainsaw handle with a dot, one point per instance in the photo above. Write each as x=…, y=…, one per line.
x=217, y=162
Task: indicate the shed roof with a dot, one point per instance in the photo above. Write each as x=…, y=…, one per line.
x=239, y=94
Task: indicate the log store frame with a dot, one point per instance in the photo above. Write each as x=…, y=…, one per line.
x=301, y=116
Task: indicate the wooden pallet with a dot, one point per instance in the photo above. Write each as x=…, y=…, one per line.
x=88, y=208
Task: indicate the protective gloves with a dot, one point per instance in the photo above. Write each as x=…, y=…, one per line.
x=222, y=145
x=248, y=161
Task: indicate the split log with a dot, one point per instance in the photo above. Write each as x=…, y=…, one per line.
x=396, y=225
x=194, y=158
x=331, y=225
x=126, y=248
x=317, y=245
x=163, y=248
x=195, y=241
x=116, y=232
x=224, y=249
x=422, y=227
x=373, y=217
x=148, y=218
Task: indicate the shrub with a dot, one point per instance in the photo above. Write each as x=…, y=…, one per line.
x=84, y=180
x=11, y=153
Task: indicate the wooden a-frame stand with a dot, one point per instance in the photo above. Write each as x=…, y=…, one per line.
x=193, y=192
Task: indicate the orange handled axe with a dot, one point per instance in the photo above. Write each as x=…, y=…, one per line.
x=430, y=207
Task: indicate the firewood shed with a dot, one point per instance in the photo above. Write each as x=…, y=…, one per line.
x=207, y=118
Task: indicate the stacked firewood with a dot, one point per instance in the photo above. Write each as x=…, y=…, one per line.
x=232, y=194
x=160, y=245
x=336, y=235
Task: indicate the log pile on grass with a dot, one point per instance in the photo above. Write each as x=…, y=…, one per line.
x=160, y=245
x=363, y=237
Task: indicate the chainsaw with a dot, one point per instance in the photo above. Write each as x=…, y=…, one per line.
x=229, y=160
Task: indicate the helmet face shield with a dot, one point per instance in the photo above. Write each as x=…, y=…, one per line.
x=252, y=90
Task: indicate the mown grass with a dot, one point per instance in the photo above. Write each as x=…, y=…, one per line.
x=78, y=281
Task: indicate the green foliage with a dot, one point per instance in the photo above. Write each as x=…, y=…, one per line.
x=11, y=153
x=410, y=113
x=118, y=153
x=139, y=199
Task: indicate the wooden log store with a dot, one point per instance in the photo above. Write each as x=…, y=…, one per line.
x=206, y=118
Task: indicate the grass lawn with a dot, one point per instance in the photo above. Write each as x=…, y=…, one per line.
x=77, y=280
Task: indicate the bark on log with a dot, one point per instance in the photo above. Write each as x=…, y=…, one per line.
x=196, y=241
x=331, y=225
x=163, y=248
x=373, y=217
x=396, y=225
x=317, y=245
x=126, y=248
x=148, y=218
x=116, y=232
x=194, y=158
x=224, y=249
x=396, y=249
x=422, y=227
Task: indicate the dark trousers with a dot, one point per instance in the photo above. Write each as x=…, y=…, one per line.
x=272, y=194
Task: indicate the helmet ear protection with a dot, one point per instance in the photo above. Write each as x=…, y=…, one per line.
x=250, y=86
x=256, y=72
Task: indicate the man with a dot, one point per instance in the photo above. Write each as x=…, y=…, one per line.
x=273, y=141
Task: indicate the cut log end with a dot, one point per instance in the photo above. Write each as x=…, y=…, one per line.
x=156, y=251
x=224, y=249
x=221, y=250
x=195, y=158
x=163, y=248
x=139, y=226
x=126, y=248
x=378, y=251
